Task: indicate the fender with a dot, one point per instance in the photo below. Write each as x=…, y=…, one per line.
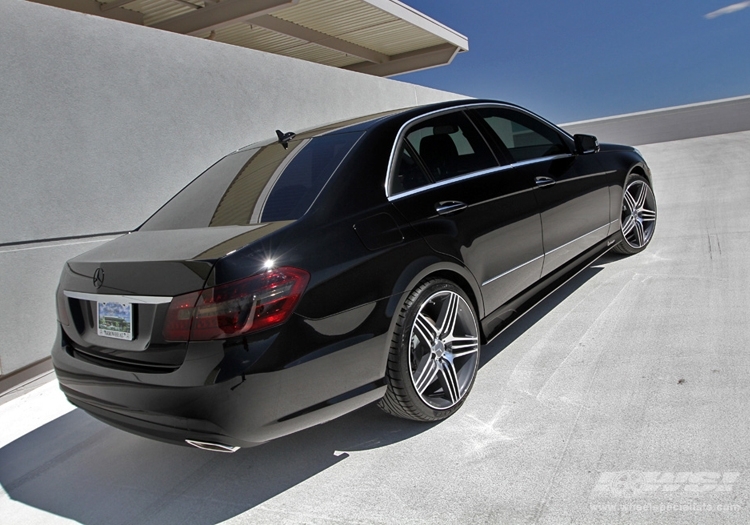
x=428, y=266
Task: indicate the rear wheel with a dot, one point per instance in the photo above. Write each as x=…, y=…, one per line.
x=434, y=353
x=638, y=215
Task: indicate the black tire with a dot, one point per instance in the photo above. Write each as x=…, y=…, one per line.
x=434, y=353
x=637, y=215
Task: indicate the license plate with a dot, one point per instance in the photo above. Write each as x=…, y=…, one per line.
x=115, y=320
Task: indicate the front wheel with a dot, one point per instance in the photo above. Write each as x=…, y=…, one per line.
x=638, y=215
x=434, y=353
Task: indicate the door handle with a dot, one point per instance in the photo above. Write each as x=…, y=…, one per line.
x=448, y=207
x=544, y=181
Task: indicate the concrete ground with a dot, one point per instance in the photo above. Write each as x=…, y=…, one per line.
x=623, y=398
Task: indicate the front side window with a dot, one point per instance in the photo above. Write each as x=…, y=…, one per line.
x=524, y=137
x=437, y=149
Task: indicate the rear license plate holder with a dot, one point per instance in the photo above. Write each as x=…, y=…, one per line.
x=114, y=320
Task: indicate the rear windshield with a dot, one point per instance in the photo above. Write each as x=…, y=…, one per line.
x=257, y=185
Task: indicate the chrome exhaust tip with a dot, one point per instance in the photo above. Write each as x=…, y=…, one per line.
x=213, y=447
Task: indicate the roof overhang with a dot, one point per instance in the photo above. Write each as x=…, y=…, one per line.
x=378, y=37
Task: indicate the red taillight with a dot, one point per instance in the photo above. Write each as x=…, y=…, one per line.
x=235, y=308
x=180, y=317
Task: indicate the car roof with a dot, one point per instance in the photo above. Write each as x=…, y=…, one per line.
x=366, y=122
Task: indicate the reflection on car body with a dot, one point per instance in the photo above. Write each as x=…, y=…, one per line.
x=301, y=278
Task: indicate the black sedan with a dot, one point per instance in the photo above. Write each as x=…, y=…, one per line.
x=300, y=278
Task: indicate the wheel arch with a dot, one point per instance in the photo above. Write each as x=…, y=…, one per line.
x=460, y=281
x=642, y=170
x=448, y=270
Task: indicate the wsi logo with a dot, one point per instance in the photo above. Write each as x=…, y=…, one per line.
x=633, y=483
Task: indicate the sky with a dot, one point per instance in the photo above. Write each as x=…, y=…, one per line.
x=573, y=60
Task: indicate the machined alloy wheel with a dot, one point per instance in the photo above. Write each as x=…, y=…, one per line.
x=435, y=353
x=638, y=218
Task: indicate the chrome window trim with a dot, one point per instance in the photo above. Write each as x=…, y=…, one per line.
x=445, y=182
x=512, y=270
x=473, y=174
x=462, y=107
x=108, y=298
x=540, y=159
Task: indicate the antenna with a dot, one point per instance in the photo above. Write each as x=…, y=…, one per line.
x=284, y=138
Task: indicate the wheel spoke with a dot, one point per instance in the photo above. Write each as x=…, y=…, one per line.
x=642, y=194
x=639, y=233
x=426, y=373
x=629, y=202
x=648, y=215
x=462, y=346
x=628, y=225
x=425, y=329
x=449, y=380
x=448, y=316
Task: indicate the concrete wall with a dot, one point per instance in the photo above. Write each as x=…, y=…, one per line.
x=101, y=122
x=668, y=124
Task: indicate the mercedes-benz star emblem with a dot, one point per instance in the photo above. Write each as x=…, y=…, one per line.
x=98, y=278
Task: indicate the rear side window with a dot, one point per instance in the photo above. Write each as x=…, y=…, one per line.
x=437, y=149
x=524, y=137
x=257, y=185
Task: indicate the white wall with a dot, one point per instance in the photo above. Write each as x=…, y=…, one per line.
x=676, y=123
x=101, y=122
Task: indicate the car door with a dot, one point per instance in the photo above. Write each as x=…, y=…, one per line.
x=572, y=190
x=446, y=181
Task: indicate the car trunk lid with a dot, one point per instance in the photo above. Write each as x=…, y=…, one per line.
x=115, y=297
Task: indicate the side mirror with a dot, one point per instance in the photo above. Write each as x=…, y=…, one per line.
x=586, y=144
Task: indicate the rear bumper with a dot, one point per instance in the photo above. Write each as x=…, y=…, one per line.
x=242, y=411
x=169, y=429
